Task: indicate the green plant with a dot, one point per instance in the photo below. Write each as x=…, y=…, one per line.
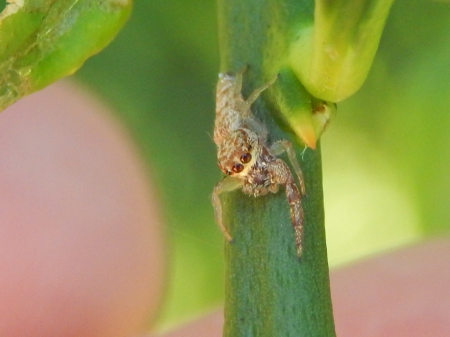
x=322, y=52
x=158, y=75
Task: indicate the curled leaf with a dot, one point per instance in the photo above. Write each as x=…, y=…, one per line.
x=42, y=41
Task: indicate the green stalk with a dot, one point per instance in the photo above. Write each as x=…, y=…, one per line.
x=321, y=51
x=269, y=291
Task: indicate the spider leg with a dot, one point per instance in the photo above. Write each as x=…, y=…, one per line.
x=238, y=81
x=255, y=94
x=282, y=175
x=281, y=146
x=297, y=216
x=228, y=184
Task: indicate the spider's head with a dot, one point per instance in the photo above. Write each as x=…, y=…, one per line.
x=238, y=153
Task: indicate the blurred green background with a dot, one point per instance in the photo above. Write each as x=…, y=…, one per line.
x=386, y=155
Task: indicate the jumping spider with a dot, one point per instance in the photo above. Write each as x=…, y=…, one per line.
x=245, y=157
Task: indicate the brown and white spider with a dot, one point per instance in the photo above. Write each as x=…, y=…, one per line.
x=245, y=157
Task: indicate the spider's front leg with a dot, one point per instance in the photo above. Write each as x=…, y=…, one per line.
x=281, y=146
x=297, y=217
x=257, y=92
x=282, y=175
x=228, y=184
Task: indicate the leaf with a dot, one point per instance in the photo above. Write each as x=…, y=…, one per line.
x=42, y=41
x=332, y=58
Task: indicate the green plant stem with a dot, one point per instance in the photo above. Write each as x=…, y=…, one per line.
x=269, y=291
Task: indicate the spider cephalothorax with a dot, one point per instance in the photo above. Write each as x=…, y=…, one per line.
x=238, y=152
x=245, y=157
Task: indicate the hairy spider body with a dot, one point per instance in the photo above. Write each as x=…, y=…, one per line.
x=245, y=157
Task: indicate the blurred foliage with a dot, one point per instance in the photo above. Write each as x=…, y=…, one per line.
x=399, y=122
x=160, y=76
x=386, y=154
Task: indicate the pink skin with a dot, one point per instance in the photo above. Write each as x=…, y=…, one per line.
x=82, y=250
x=405, y=293
x=402, y=294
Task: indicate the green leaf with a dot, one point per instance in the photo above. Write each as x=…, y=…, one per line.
x=306, y=115
x=44, y=40
x=332, y=58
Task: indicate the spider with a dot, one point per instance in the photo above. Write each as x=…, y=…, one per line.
x=245, y=157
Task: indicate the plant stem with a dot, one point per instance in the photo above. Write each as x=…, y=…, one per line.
x=269, y=291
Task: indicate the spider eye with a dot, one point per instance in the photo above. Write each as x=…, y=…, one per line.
x=237, y=168
x=245, y=158
x=228, y=172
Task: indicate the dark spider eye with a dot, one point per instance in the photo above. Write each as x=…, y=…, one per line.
x=237, y=168
x=245, y=158
x=228, y=172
